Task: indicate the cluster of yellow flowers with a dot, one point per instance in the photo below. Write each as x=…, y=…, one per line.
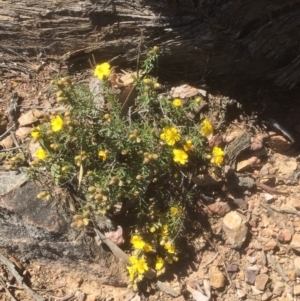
x=206, y=130
x=157, y=255
x=171, y=136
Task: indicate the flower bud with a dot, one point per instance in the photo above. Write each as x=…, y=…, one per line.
x=54, y=146
x=59, y=93
x=139, y=177
x=92, y=189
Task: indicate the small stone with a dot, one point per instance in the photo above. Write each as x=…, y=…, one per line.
x=266, y=296
x=235, y=228
x=232, y=268
x=256, y=143
x=219, y=208
x=268, y=197
x=216, y=277
x=255, y=291
x=261, y=281
x=251, y=273
x=27, y=118
x=23, y=132
x=297, y=262
x=297, y=290
x=270, y=245
x=278, y=288
x=246, y=164
x=285, y=236
x=7, y=142
x=292, y=275
x=279, y=143
x=252, y=259
x=241, y=294
x=295, y=243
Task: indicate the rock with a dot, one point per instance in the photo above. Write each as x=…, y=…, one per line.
x=216, y=277
x=284, y=236
x=268, y=197
x=37, y=229
x=261, y=281
x=116, y=236
x=297, y=266
x=23, y=132
x=266, y=296
x=270, y=245
x=184, y=91
x=27, y=118
x=279, y=144
x=297, y=290
x=235, y=228
x=219, y=208
x=295, y=243
x=7, y=142
x=232, y=268
x=256, y=143
x=246, y=164
x=241, y=294
x=255, y=291
x=251, y=273
x=278, y=288
x=241, y=203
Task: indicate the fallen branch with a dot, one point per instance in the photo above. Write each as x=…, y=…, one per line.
x=277, y=267
x=270, y=189
x=19, y=279
x=6, y=289
x=289, y=211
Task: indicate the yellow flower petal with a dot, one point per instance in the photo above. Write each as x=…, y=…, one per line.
x=137, y=242
x=41, y=154
x=170, y=135
x=102, y=70
x=180, y=156
x=177, y=102
x=36, y=133
x=56, y=123
x=188, y=146
x=206, y=128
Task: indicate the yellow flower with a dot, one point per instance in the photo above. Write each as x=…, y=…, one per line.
x=140, y=265
x=198, y=99
x=169, y=247
x=103, y=155
x=175, y=210
x=165, y=230
x=218, y=156
x=132, y=272
x=159, y=264
x=102, y=70
x=57, y=123
x=206, y=128
x=188, y=146
x=137, y=242
x=147, y=248
x=180, y=156
x=170, y=135
x=177, y=102
x=41, y=154
x=36, y=133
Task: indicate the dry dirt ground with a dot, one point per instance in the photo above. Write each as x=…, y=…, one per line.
x=248, y=245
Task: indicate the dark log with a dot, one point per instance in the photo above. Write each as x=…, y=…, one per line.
x=208, y=39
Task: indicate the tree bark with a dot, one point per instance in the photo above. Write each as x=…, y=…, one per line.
x=199, y=39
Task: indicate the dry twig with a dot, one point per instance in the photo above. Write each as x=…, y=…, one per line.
x=277, y=267
x=19, y=279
